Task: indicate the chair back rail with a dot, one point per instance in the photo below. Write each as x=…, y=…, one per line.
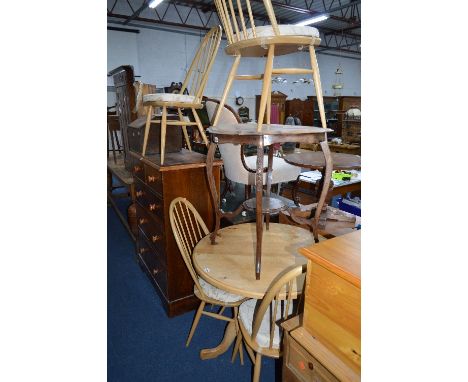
x=197, y=75
x=232, y=17
x=188, y=228
x=281, y=293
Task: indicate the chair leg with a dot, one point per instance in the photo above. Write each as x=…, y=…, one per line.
x=238, y=347
x=230, y=78
x=222, y=310
x=317, y=85
x=257, y=368
x=195, y=322
x=163, y=133
x=268, y=110
x=184, y=130
x=147, y=127
x=200, y=127
x=266, y=86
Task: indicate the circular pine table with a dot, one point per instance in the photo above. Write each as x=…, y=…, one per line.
x=228, y=264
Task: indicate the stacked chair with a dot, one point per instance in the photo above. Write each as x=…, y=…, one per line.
x=270, y=41
x=190, y=95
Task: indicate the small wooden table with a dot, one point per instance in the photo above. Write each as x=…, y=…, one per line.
x=228, y=264
x=266, y=205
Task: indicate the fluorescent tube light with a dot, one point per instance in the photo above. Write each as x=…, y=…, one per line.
x=154, y=3
x=313, y=20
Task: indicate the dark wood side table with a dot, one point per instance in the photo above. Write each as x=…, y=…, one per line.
x=183, y=174
x=315, y=160
x=268, y=204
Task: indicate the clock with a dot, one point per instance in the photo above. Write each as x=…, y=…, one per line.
x=239, y=101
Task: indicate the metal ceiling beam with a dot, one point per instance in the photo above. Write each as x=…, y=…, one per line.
x=137, y=12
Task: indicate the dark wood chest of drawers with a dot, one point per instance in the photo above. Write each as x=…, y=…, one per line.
x=183, y=174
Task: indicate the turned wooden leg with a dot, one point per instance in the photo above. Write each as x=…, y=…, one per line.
x=184, y=130
x=259, y=208
x=200, y=127
x=147, y=128
x=266, y=86
x=326, y=184
x=269, y=180
x=317, y=85
x=163, y=133
x=230, y=78
x=213, y=191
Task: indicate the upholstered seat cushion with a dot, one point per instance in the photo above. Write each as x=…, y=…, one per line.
x=218, y=294
x=168, y=97
x=282, y=171
x=285, y=30
x=246, y=315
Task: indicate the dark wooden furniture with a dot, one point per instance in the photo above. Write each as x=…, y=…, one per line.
x=183, y=174
x=268, y=204
x=278, y=99
x=315, y=160
x=345, y=148
x=117, y=170
x=123, y=77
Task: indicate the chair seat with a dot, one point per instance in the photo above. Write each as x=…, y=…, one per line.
x=218, y=294
x=285, y=30
x=246, y=314
x=168, y=97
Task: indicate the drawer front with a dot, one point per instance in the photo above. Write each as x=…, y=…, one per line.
x=304, y=366
x=138, y=171
x=152, y=259
x=152, y=228
x=153, y=179
x=148, y=200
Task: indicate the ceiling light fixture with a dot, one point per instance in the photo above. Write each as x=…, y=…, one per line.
x=154, y=3
x=313, y=20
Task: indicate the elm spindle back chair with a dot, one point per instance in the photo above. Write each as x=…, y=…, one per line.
x=260, y=41
x=188, y=228
x=194, y=83
x=259, y=319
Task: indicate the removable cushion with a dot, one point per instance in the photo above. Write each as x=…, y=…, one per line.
x=285, y=30
x=218, y=294
x=246, y=314
x=168, y=97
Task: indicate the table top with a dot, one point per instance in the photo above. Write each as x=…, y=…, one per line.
x=230, y=263
x=341, y=255
x=315, y=160
x=267, y=129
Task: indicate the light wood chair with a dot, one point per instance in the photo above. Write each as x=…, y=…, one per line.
x=259, y=320
x=270, y=41
x=194, y=84
x=188, y=228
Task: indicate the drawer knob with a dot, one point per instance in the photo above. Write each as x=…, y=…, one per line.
x=143, y=250
x=155, y=238
x=152, y=178
x=142, y=221
x=136, y=168
x=153, y=206
x=311, y=366
x=139, y=193
x=155, y=271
